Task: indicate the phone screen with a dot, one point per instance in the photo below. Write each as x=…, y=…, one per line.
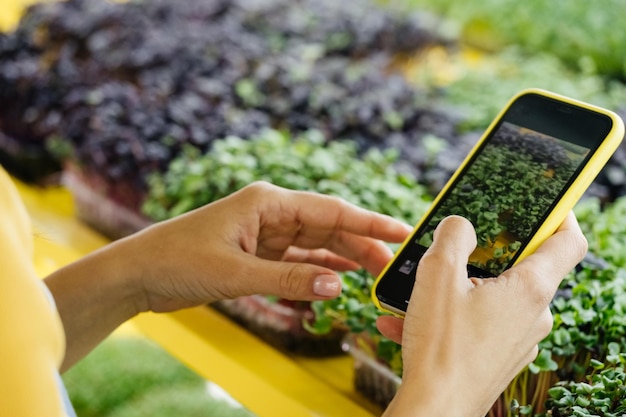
x=507, y=188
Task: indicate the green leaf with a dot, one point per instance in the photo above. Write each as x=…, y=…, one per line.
x=544, y=361
x=559, y=392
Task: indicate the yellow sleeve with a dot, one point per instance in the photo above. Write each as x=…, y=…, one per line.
x=32, y=340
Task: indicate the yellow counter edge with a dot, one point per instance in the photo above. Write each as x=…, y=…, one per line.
x=263, y=379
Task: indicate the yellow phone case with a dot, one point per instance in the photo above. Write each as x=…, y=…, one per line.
x=567, y=201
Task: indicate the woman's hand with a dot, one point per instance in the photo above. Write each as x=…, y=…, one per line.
x=261, y=240
x=464, y=339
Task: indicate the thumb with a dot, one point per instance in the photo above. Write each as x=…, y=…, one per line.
x=453, y=241
x=294, y=281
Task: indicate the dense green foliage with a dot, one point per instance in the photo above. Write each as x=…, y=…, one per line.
x=479, y=86
x=579, y=33
x=602, y=392
x=302, y=162
x=605, y=229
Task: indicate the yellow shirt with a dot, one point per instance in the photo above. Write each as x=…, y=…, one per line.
x=32, y=341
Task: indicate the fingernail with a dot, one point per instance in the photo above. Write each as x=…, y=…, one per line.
x=327, y=286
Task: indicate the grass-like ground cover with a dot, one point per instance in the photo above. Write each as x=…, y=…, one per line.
x=134, y=377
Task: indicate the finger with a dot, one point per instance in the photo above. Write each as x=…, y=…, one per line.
x=453, y=241
x=457, y=231
x=293, y=281
x=332, y=213
x=372, y=254
x=321, y=257
x=390, y=327
x=542, y=272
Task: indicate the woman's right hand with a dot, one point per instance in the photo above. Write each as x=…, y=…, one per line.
x=464, y=339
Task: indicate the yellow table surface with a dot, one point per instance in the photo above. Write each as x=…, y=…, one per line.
x=262, y=378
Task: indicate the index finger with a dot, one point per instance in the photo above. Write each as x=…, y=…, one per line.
x=323, y=212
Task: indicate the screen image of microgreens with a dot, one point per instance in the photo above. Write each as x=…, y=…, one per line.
x=506, y=191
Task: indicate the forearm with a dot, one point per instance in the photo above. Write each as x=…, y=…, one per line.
x=260, y=240
x=94, y=296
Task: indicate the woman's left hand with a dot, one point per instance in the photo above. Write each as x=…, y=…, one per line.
x=260, y=240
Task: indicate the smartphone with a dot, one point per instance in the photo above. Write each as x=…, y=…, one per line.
x=516, y=186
